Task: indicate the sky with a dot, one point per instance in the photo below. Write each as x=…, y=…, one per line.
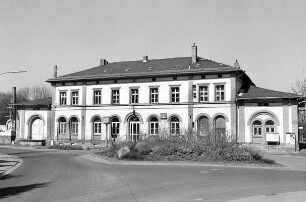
x=267, y=37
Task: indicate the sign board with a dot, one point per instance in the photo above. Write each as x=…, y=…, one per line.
x=272, y=137
x=163, y=115
x=106, y=119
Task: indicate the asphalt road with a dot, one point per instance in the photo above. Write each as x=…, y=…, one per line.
x=67, y=176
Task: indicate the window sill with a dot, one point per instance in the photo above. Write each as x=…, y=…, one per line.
x=257, y=137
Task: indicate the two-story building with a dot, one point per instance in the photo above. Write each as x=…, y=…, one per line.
x=124, y=100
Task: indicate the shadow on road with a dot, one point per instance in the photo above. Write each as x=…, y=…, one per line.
x=12, y=191
x=6, y=177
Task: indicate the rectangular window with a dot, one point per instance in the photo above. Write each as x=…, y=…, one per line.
x=220, y=95
x=62, y=128
x=97, y=97
x=153, y=128
x=203, y=93
x=63, y=98
x=194, y=91
x=175, y=94
x=115, y=128
x=75, y=98
x=97, y=128
x=115, y=97
x=74, y=127
x=134, y=96
x=154, y=95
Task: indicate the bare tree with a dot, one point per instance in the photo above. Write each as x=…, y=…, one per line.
x=40, y=92
x=300, y=88
x=5, y=99
x=23, y=94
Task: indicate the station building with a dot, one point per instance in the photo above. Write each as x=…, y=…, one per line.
x=125, y=100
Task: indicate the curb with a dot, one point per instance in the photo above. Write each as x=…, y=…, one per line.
x=99, y=159
x=11, y=169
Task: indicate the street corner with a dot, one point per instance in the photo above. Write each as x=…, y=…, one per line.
x=8, y=163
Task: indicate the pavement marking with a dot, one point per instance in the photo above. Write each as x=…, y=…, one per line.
x=214, y=169
x=198, y=199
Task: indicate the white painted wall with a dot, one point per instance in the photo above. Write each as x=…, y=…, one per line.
x=28, y=115
x=250, y=110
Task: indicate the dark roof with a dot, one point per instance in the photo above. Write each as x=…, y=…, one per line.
x=41, y=102
x=262, y=93
x=168, y=66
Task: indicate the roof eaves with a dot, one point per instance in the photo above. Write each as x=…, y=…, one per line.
x=153, y=73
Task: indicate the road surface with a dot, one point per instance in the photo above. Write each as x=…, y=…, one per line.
x=68, y=176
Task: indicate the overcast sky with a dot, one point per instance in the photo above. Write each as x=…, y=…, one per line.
x=266, y=36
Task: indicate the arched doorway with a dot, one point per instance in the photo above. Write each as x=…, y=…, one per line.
x=37, y=129
x=203, y=125
x=134, y=125
x=220, y=126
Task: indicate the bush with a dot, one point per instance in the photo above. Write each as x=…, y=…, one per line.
x=144, y=148
x=66, y=147
x=122, y=152
x=187, y=146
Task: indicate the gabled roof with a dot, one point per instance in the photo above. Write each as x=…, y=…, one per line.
x=154, y=67
x=41, y=102
x=262, y=93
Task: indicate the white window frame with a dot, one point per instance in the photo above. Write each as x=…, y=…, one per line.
x=174, y=127
x=134, y=95
x=174, y=94
x=63, y=98
x=74, y=97
x=115, y=96
x=153, y=95
x=97, y=127
x=153, y=127
x=97, y=97
x=203, y=94
x=219, y=92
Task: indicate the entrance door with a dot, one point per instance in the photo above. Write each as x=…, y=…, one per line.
x=37, y=130
x=134, y=129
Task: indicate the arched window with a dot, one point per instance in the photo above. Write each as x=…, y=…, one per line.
x=74, y=126
x=97, y=126
x=153, y=126
x=174, y=126
x=257, y=128
x=270, y=128
x=115, y=127
x=62, y=125
x=203, y=125
x=220, y=126
x=134, y=128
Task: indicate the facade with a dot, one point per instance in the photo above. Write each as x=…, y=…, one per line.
x=125, y=100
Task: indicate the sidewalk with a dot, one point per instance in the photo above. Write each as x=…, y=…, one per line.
x=8, y=163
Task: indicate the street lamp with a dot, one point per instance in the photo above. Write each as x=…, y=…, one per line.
x=13, y=72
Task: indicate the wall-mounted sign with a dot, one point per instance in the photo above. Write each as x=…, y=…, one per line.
x=163, y=115
x=106, y=120
x=272, y=137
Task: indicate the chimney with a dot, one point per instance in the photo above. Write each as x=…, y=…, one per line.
x=236, y=64
x=145, y=58
x=194, y=54
x=103, y=62
x=55, y=71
